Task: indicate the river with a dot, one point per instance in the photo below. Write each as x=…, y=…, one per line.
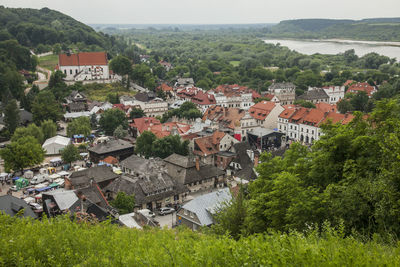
x=333, y=47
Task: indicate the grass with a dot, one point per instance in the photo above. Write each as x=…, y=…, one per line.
x=99, y=91
x=234, y=63
x=48, y=62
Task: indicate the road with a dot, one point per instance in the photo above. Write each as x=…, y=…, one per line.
x=166, y=220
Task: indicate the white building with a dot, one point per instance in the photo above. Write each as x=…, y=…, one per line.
x=266, y=114
x=335, y=93
x=84, y=66
x=56, y=144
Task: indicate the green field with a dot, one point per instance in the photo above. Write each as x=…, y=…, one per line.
x=99, y=91
x=48, y=62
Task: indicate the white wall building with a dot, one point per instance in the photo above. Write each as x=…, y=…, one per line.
x=56, y=144
x=335, y=93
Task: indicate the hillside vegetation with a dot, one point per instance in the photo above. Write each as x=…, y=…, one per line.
x=380, y=29
x=60, y=242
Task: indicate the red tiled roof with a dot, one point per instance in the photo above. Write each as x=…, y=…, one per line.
x=334, y=118
x=165, y=129
x=325, y=107
x=348, y=82
x=261, y=110
x=143, y=124
x=288, y=112
x=208, y=145
x=165, y=87
x=362, y=87
x=313, y=117
x=235, y=90
x=226, y=117
x=83, y=59
x=110, y=160
x=298, y=115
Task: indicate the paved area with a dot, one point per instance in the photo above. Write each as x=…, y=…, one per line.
x=166, y=220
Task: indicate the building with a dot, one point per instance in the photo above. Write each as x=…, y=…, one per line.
x=226, y=119
x=316, y=95
x=200, y=211
x=266, y=114
x=12, y=206
x=84, y=66
x=117, y=148
x=167, y=66
x=244, y=162
x=54, y=145
x=234, y=96
x=335, y=93
x=202, y=99
x=75, y=97
x=139, y=125
x=362, y=87
x=194, y=174
x=101, y=175
x=184, y=82
x=262, y=139
x=285, y=92
x=148, y=102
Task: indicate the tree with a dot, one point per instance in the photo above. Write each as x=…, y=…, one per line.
x=124, y=203
x=22, y=153
x=136, y=113
x=168, y=145
x=70, y=154
x=78, y=126
x=344, y=106
x=49, y=129
x=144, y=144
x=121, y=65
x=11, y=116
x=304, y=103
x=93, y=121
x=31, y=130
x=45, y=107
x=111, y=119
x=120, y=132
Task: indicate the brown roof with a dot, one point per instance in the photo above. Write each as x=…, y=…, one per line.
x=288, y=112
x=208, y=145
x=226, y=117
x=313, y=117
x=362, y=87
x=261, y=110
x=110, y=160
x=83, y=59
x=325, y=107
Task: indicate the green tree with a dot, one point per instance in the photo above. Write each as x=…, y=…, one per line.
x=136, y=113
x=168, y=145
x=49, y=129
x=11, y=116
x=111, y=119
x=120, y=132
x=79, y=125
x=70, y=154
x=93, y=121
x=45, y=107
x=345, y=106
x=22, y=153
x=124, y=203
x=121, y=65
x=31, y=130
x=144, y=144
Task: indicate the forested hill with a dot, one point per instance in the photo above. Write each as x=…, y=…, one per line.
x=375, y=29
x=32, y=27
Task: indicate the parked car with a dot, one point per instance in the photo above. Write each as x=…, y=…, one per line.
x=147, y=213
x=35, y=206
x=39, y=179
x=166, y=210
x=14, y=188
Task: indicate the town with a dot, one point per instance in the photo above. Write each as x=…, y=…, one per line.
x=189, y=133
x=174, y=171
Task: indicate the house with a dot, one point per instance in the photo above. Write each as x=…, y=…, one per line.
x=110, y=160
x=54, y=145
x=167, y=66
x=12, y=206
x=194, y=174
x=76, y=107
x=266, y=113
x=58, y=201
x=150, y=182
x=25, y=117
x=208, y=146
x=76, y=96
x=144, y=58
x=196, y=95
x=242, y=165
x=148, y=102
x=234, y=96
x=285, y=92
x=84, y=66
x=309, y=126
x=362, y=87
x=117, y=148
x=139, y=125
x=200, y=211
x=325, y=107
x=102, y=175
x=168, y=90
x=184, y=82
x=335, y=93
x=228, y=120
x=316, y=95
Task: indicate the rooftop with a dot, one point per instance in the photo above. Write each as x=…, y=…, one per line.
x=83, y=59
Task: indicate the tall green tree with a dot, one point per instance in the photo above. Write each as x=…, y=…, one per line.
x=45, y=107
x=11, y=116
x=49, y=129
x=168, y=145
x=24, y=152
x=120, y=132
x=144, y=144
x=111, y=119
x=136, y=113
x=124, y=203
x=70, y=154
x=31, y=130
x=79, y=125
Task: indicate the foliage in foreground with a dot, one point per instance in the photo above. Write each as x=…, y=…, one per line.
x=60, y=242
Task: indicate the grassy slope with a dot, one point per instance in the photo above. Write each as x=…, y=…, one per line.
x=63, y=243
x=48, y=62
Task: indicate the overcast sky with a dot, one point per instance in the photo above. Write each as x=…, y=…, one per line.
x=211, y=11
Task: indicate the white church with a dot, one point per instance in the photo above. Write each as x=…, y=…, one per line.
x=84, y=66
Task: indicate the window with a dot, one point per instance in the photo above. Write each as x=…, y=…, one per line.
x=65, y=72
x=70, y=71
x=312, y=131
x=76, y=71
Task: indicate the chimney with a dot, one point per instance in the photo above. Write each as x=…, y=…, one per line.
x=256, y=160
x=197, y=164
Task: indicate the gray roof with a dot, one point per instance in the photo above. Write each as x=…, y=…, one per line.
x=77, y=106
x=143, y=166
x=63, y=198
x=81, y=179
x=110, y=146
x=282, y=86
x=25, y=116
x=206, y=205
x=184, y=81
x=180, y=160
x=247, y=172
x=314, y=94
x=12, y=205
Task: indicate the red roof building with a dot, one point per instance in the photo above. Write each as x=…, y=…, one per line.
x=83, y=59
x=261, y=110
x=362, y=87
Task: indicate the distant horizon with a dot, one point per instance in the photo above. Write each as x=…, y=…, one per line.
x=210, y=12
